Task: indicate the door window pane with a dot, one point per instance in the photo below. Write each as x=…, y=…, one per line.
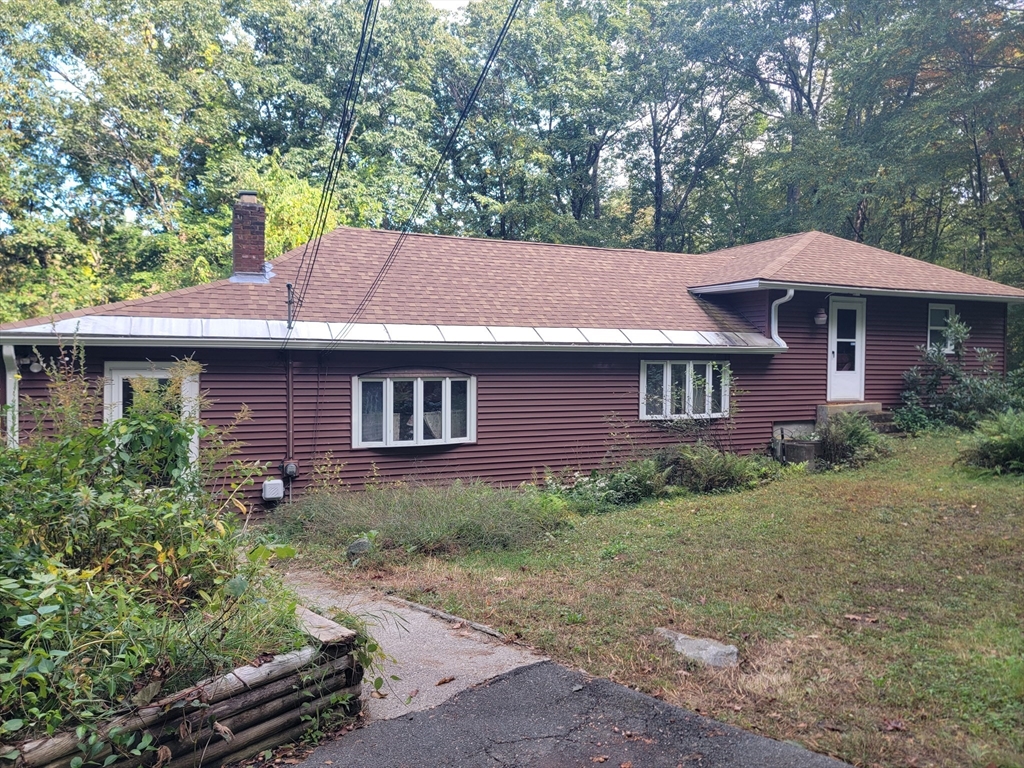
x=846, y=356
x=372, y=414
x=402, y=410
x=460, y=409
x=433, y=408
x=846, y=323
x=654, y=397
x=678, y=389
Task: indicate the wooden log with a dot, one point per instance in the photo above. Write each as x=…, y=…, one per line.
x=271, y=742
x=323, y=630
x=252, y=717
x=344, y=665
x=336, y=673
x=41, y=752
x=213, y=752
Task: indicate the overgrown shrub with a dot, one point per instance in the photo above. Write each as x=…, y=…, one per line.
x=944, y=390
x=997, y=444
x=849, y=440
x=118, y=567
x=603, y=490
x=434, y=518
x=705, y=469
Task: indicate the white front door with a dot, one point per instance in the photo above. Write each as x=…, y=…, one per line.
x=846, y=349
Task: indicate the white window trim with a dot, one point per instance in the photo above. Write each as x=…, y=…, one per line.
x=666, y=368
x=114, y=376
x=951, y=308
x=418, y=439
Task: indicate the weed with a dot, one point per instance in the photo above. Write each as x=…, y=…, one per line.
x=118, y=568
x=442, y=518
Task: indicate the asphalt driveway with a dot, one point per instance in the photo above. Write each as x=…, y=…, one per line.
x=466, y=698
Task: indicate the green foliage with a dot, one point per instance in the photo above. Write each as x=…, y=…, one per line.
x=705, y=469
x=997, y=444
x=946, y=389
x=849, y=440
x=603, y=490
x=118, y=568
x=433, y=518
x=671, y=125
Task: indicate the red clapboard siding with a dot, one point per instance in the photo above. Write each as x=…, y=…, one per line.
x=539, y=409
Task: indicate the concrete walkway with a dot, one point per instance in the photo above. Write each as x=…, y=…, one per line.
x=424, y=649
x=467, y=699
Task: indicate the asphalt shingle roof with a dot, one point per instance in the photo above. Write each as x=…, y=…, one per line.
x=465, y=281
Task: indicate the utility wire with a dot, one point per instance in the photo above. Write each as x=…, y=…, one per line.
x=304, y=273
x=431, y=180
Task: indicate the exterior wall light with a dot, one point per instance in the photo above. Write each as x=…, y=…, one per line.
x=821, y=316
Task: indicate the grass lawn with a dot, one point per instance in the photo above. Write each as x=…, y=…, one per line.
x=879, y=613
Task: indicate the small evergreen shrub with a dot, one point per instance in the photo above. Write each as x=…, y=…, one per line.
x=704, y=469
x=849, y=440
x=997, y=444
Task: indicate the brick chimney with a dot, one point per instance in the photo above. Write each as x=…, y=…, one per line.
x=248, y=247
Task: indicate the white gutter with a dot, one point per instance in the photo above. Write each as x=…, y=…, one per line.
x=11, y=395
x=775, y=318
x=763, y=285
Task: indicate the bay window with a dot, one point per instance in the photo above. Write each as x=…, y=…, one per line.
x=413, y=410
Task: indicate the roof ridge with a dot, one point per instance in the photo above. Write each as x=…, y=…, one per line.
x=803, y=240
x=502, y=242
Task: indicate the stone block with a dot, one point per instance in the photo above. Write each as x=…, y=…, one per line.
x=709, y=652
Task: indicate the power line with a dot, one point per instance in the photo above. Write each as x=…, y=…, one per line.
x=431, y=180
x=304, y=273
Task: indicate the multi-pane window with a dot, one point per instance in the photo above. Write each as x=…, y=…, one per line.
x=413, y=410
x=938, y=321
x=681, y=389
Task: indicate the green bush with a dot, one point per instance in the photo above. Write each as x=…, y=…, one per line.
x=118, y=568
x=434, y=518
x=704, y=469
x=944, y=390
x=849, y=440
x=997, y=444
x=603, y=490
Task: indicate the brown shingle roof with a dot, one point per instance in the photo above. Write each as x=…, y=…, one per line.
x=814, y=258
x=461, y=281
x=464, y=281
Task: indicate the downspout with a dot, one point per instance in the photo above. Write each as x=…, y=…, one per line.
x=11, y=395
x=290, y=417
x=775, y=318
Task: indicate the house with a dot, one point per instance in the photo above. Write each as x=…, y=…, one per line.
x=464, y=357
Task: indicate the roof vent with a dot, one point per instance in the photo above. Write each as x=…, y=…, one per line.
x=248, y=240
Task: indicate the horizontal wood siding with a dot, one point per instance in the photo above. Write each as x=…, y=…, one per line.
x=789, y=386
x=752, y=305
x=536, y=410
x=897, y=327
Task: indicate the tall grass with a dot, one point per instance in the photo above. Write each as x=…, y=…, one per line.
x=442, y=518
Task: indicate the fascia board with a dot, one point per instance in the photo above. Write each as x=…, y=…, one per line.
x=758, y=285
